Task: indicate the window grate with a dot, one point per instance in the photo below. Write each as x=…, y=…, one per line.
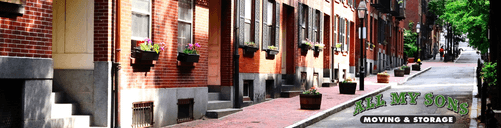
x=142, y=115
x=185, y=110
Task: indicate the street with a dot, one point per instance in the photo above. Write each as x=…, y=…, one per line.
x=449, y=81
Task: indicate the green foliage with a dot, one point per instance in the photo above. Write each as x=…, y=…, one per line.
x=312, y=91
x=466, y=16
x=149, y=46
x=489, y=73
x=191, y=48
x=410, y=39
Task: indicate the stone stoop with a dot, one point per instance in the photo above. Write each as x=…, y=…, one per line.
x=217, y=108
x=62, y=114
x=289, y=91
x=327, y=82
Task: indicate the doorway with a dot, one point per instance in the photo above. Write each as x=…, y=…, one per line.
x=288, y=39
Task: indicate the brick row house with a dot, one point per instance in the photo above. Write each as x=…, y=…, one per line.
x=384, y=42
x=83, y=60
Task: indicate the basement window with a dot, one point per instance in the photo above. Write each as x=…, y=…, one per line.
x=248, y=90
x=142, y=114
x=185, y=110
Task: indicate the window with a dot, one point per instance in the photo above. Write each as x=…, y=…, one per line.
x=185, y=110
x=185, y=24
x=316, y=27
x=342, y=23
x=269, y=23
x=335, y=30
x=142, y=114
x=248, y=21
x=141, y=19
x=304, y=13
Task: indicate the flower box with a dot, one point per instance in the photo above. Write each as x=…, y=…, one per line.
x=249, y=49
x=271, y=52
x=310, y=101
x=383, y=78
x=410, y=60
x=416, y=67
x=347, y=88
x=398, y=72
x=145, y=55
x=305, y=47
x=317, y=49
x=407, y=70
x=183, y=57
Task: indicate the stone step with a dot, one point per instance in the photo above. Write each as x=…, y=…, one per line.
x=61, y=110
x=75, y=121
x=247, y=103
x=288, y=88
x=213, y=96
x=327, y=80
x=219, y=104
x=218, y=113
x=288, y=94
x=56, y=97
x=329, y=84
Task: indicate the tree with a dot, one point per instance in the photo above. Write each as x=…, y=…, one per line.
x=466, y=16
x=410, y=39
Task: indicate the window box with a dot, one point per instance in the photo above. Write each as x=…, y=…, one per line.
x=249, y=49
x=145, y=55
x=183, y=57
x=305, y=46
x=271, y=52
x=317, y=49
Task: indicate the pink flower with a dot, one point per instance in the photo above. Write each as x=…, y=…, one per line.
x=147, y=40
x=196, y=44
x=190, y=45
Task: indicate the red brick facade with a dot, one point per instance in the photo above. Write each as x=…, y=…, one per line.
x=29, y=35
x=103, y=32
x=166, y=72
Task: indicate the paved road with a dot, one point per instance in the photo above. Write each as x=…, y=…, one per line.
x=454, y=82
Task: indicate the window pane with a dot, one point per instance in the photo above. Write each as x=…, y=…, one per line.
x=141, y=5
x=248, y=7
x=140, y=26
x=270, y=36
x=247, y=32
x=184, y=35
x=270, y=13
x=185, y=10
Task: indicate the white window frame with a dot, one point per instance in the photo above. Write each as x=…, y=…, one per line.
x=149, y=20
x=185, y=21
x=270, y=15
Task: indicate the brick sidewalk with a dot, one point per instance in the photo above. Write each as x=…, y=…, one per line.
x=282, y=112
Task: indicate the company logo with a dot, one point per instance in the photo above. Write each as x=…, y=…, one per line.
x=404, y=98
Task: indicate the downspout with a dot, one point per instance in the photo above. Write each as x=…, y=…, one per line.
x=333, y=42
x=236, y=56
x=115, y=120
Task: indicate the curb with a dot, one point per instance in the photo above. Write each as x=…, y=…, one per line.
x=326, y=113
x=414, y=75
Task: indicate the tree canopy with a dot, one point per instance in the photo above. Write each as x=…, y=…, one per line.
x=466, y=16
x=410, y=38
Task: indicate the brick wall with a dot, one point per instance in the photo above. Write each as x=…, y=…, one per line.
x=226, y=44
x=166, y=72
x=103, y=10
x=29, y=35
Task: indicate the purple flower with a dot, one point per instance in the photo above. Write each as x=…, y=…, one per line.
x=191, y=45
x=196, y=44
x=147, y=40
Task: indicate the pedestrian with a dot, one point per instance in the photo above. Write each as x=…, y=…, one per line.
x=435, y=51
x=441, y=52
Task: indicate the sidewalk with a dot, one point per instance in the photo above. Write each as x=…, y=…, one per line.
x=283, y=112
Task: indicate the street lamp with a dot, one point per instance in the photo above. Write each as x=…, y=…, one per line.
x=362, y=9
x=418, y=27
